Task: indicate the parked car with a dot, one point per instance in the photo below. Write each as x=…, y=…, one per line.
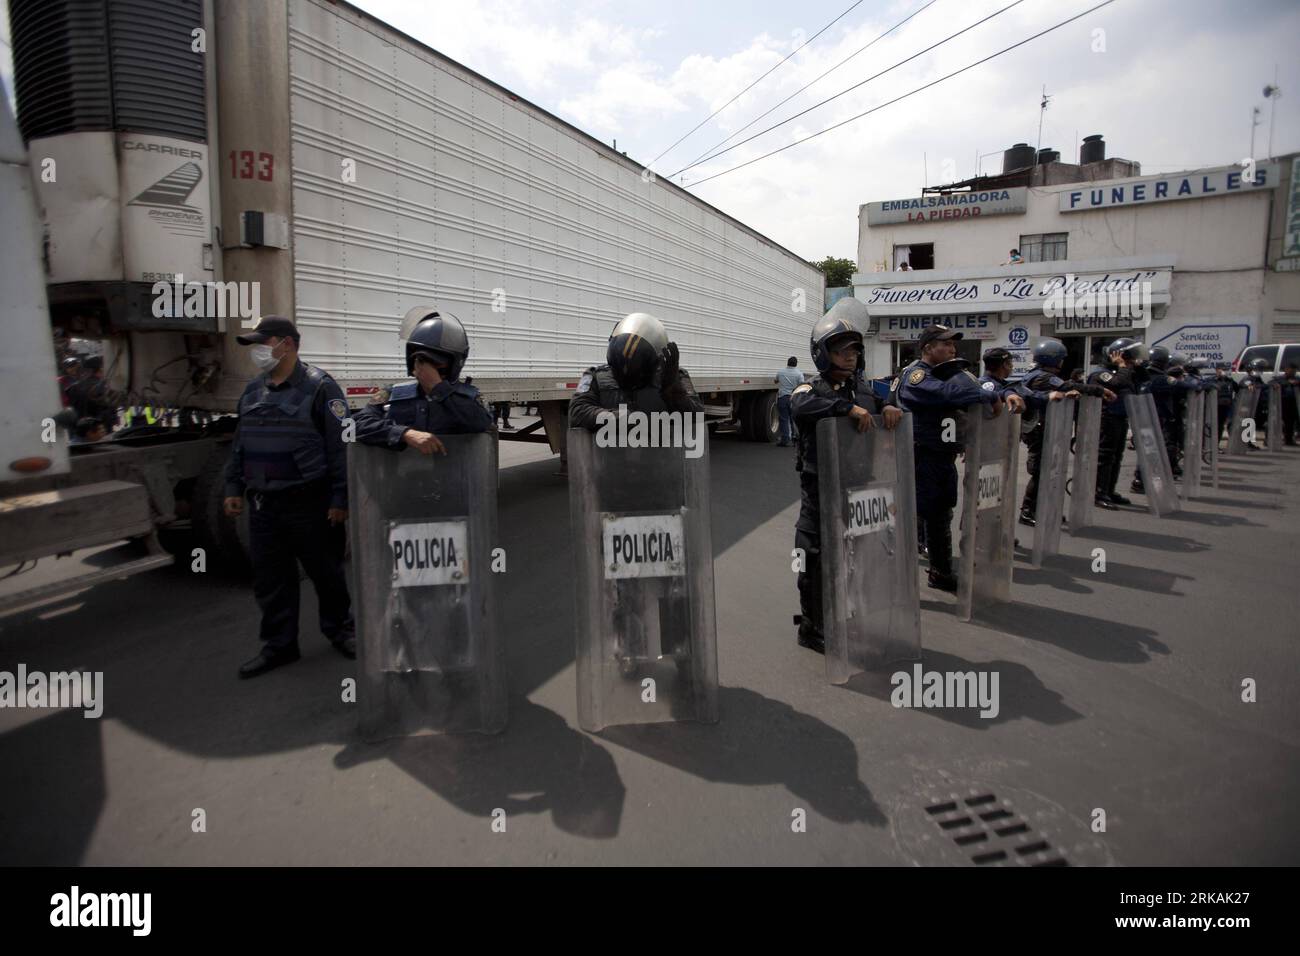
x=1278, y=355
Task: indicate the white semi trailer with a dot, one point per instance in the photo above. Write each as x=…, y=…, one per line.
x=300, y=157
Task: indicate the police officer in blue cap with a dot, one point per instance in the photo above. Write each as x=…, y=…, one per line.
x=935, y=389
x=288, y=457
x=837, y=390
x=414, y=414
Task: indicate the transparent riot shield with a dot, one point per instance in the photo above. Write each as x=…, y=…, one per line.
x=1193, y=445
x=646, y=628
x=1152, y=456
x=1210, y=439
x=1243, y=421
x=1052, y=466
x=423, y=529
x=988, y=510
x=868, y=534
x=1082, y=489
x=1273, y=427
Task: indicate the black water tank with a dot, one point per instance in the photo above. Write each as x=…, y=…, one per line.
x=1048, y=155
x=1017, y=157
x=1094, y=149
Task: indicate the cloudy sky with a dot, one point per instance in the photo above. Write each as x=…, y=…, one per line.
x=1170, y=83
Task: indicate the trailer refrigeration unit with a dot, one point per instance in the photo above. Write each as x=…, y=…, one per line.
x=200, y=163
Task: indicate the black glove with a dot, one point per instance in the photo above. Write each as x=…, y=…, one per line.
x=669, y=385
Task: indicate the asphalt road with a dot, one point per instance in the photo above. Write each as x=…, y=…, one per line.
x=1119, y=691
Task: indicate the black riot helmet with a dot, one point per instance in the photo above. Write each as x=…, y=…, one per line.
x=1050, y=353
x=436, y=335
x=1258, y=365
x=635, y=349
x=1160, y=357
x=844, y=321
x=1132, y=350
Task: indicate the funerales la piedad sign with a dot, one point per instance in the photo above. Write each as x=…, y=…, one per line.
x=971, y=205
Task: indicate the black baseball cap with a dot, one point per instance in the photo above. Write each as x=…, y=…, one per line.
x=271, y=325
x=996, y=356
x=933, y=333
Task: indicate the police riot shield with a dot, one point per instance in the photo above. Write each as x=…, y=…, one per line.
x=868, y=546
x=423, y=531
x=646, y=628
x=1193, y=445
x=988, y=509
x=1082, y=487
x=1243, y=420
x=1210, y=439
x=1152, y=456
x=1052, y=466
x=1273, y=427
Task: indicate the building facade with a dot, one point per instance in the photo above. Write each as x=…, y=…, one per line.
x=1203, y=261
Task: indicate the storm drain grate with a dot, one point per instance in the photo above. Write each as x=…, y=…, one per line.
x=992, y=832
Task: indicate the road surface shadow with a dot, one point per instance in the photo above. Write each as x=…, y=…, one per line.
x=1090, y=637
x=1248, y=489
x=759, y=742
x=1230, y=503
x=1021, y=695
x=1145, y=539
x=1212, y=520
x=1066, y=572
x=538, y=764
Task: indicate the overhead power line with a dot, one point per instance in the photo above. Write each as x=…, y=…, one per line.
x=790, y=119
x=756, y=82
x=706, y=155
x=904, y=96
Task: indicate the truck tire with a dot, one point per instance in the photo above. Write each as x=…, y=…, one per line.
x=744, y=406
x=225, y=540
x=764, y=418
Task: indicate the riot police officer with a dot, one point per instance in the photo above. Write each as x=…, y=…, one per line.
x=1124, y=377
x=1160, y=385
x=837, y=390
x=1043, y=384
x=998, y=377
x=288, y=457
x=1255, y=379
x=1226, y=390
x=413, y=414
x=1290, y=410
x=935, y=388
x=641, y=371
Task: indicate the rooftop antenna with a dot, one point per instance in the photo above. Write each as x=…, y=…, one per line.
x=1254, y=121
x=1042, y=108
x=1272, y=93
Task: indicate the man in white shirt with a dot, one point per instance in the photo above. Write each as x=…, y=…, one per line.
x=787, y=380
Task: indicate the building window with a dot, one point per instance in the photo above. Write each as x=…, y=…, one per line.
x=916, y=256
x=1044, y=247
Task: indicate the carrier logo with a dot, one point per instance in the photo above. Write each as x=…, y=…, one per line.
x=166, y=201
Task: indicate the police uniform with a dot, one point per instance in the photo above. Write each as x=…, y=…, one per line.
x=1290, y=411
x=1226, y=390
x=451, y=408
x=288, y=456
x=931, y=403
x=1037, y=387
x=809, y=403
x=1114, y=426
x=598, y=390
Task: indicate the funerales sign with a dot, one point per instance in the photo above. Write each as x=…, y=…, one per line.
x=1225, y=181
x=990, y=202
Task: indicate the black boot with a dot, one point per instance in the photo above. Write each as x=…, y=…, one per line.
x=1027, y=517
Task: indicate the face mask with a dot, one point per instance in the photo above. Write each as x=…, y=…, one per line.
x=264, y=357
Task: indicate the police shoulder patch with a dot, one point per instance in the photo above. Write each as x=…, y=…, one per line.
x=917, y=377
x=1105, y=376
x=339, y=408
x=893, y=386
x=801, y=388
x=987, y=386
x=584, y=383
